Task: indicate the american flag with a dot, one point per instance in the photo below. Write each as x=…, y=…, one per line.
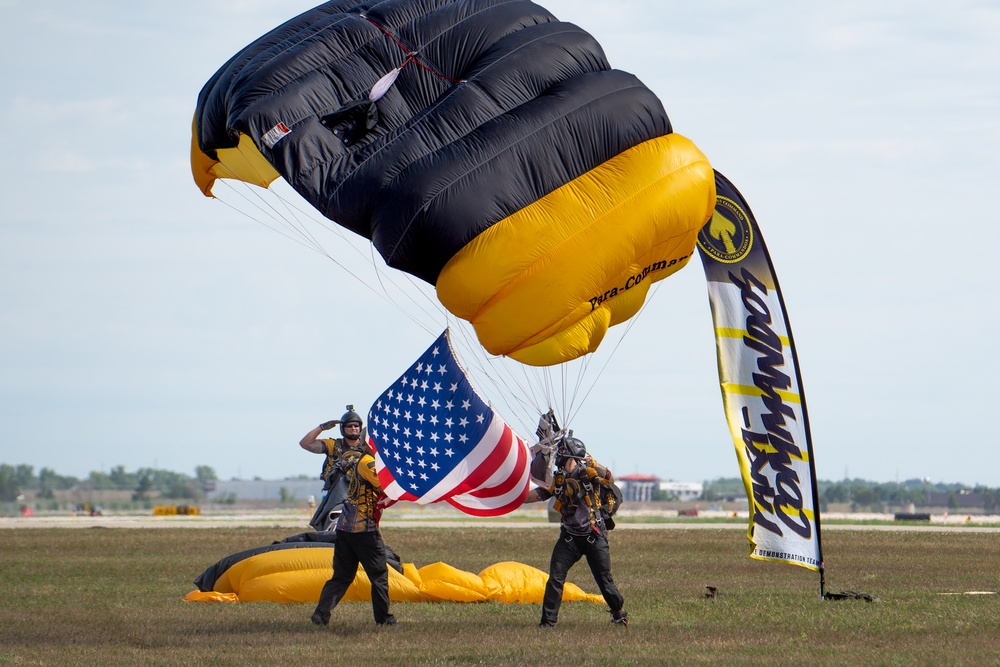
x=436, y=440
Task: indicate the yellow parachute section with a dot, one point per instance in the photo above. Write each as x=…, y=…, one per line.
x=298, y=575
x=544, y=284
x=243, y=163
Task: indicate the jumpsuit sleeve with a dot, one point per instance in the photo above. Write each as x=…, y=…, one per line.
x=602, y=474
x=366, y=469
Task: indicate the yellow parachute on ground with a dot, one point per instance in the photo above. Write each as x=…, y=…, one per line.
x=296, y=572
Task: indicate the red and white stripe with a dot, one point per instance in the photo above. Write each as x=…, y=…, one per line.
x=492, y=479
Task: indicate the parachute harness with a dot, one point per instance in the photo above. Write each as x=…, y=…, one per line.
x=573, y=488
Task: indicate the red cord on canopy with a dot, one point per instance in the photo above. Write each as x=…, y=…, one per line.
x=411, y=56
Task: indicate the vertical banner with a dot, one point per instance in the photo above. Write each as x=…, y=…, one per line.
x=761, y=385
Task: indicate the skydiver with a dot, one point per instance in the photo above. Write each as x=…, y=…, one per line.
x=358, y=538
x=334, y=481
x=576, y=486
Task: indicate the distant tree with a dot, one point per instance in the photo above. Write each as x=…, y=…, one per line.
x=26, y=476
x=9, y=488
x=723, y=487
x=863, y=496
x=952, y=501
x=49, y=482
x=100, y=481
x=46, y=483
x=144, y=487
x=205, y=474
x=123, y=480
x=171, y=484
x=182, y=486
x=836, y=493
x=286, y=495
x=662, y=495
x=991, y=500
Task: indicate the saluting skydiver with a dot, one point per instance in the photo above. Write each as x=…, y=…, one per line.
x=334, y=481
x=358, y=538
x=576, y=486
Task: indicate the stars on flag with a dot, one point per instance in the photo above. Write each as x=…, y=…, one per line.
x=431, y=403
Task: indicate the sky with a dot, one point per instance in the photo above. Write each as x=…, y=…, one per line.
x=145, y=325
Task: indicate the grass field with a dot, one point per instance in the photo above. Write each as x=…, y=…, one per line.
x=103, y=596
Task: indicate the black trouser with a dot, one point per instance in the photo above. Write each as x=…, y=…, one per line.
x=568, y=550
x=350, y=550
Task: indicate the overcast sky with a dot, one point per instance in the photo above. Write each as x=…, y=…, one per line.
x=144, y=325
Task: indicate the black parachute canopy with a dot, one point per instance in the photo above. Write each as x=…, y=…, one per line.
x=463, y=138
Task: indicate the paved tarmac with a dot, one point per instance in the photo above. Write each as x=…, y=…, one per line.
x=432, y=519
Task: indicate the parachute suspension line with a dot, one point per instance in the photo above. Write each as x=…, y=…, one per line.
x=298, y=234
x=427, y=306
x=411, y=56
x=628, y=328
x=256, y=200
x=570, y=397
x=292, y=220
x=497, y=377
x=494, y=370
x=383, y=293
x=262, y=223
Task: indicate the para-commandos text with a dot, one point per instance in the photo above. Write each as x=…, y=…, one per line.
x=635, y=280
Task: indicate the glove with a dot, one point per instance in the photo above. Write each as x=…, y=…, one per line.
x=326, y=426
x=547, y=425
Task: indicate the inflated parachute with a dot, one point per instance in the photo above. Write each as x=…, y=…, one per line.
x=482, y=146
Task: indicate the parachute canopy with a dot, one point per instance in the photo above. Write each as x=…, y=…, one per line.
x=482, y=146
x=296, y=571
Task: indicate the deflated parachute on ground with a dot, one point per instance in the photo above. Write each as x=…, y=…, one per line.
x=296, y=572
x=483, y=146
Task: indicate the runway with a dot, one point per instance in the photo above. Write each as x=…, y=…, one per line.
x=299, y=520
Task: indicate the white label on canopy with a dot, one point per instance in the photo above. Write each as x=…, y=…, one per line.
x=275, y=134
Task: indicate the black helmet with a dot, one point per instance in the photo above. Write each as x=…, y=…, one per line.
x=350, y=416
x=571, y=448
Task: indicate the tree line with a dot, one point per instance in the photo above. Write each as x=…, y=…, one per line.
x=860, y=494
x=863, y=494
x=144, y=482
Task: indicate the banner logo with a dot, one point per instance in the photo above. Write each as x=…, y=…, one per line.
x=727, y=238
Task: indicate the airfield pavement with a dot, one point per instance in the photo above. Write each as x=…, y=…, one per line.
x=446, y=517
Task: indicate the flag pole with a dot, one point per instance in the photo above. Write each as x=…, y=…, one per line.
x=808, y=434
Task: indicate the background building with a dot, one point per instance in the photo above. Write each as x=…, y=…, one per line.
x=638, y=488
x=683, y=491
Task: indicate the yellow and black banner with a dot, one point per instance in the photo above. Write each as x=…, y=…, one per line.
x=761, y=386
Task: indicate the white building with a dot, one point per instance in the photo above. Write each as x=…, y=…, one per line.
x=683, y=491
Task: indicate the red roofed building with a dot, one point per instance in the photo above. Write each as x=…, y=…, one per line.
x=637, y=487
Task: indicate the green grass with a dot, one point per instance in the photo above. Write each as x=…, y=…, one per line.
x=113, y=597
